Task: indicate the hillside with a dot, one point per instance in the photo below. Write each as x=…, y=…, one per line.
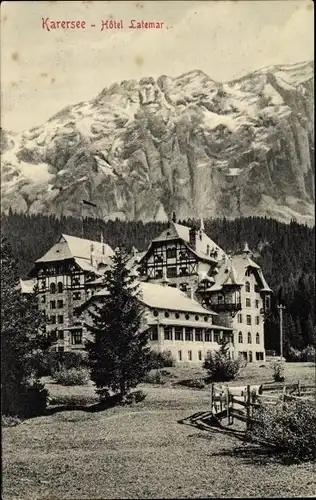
x=141, y=149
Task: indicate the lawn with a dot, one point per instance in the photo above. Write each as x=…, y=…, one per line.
x=144, y=452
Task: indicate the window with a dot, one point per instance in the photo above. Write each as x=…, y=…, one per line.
x=240, y=338
x=76, y=337
x=257, y=338
x=249, y=338
x=177, y=315
x=239, y=318
x=259, y=356
x=248, y=303
x=153, y=333
x=53, y=304
x=60, y=287
x=180, y=355
x=155, y=313
x=43, y=299
x=248, y=319
x=257, y=304
x=52, y=288
x=187, y=316
x=76, y=296
x=43, y=284
x=75, y=281
x=190, y=355
x=197, y=317
x=268, y=302
x=184, y=271
x=189, y=334
x=200, y=355
x=178, y=333
x=216, y=337
x=60, y=304
x=257, y=320
x=167, y=333
x=53, y=320
x=171, y=272
x=257, y=288
x=61, y=334
x=220, y=299
x=247, y=287
x=171, y=253
x=205, y=319
x=167, y=314
x=158, y=273
x=208, y=337
x=60, y=319
x=198, y=335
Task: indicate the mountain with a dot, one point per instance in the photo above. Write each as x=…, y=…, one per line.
x=142, y=149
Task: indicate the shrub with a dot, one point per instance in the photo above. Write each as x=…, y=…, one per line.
x=55, y=361
x=72, y=376
x=133, y=397
x=36, y=399
x=221, y=367
x=72, y=400
x=156, y=377
x=278, y=370
x=290, y=427
x=161, y=359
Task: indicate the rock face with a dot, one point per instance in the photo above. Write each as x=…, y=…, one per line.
x=142, y=149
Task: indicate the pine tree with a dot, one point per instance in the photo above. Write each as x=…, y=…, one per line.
x=22, y=393
x=119, y=353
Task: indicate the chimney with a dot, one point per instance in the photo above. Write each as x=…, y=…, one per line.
x=192, y=237
x=102, y=243
x=207, y=249
x=174, y=219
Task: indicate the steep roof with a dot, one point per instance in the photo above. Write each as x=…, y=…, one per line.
x=232, y=271
x=203, y=242
x=69, y=247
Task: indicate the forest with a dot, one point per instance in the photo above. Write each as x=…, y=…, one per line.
x=286, y=253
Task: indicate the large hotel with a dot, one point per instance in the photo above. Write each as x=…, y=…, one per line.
x=194, y=295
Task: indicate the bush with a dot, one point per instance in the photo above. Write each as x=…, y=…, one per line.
x=72, y=376
x=161, y=359
x=221, y=367
x=156, y=377
x=308, y=354
x=278, y=370
x=48, y=362
x=72, y=400
x=290, y=427
x=133, y=397
x=36, y=399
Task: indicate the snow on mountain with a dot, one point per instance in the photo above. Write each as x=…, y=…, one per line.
x=140, y=150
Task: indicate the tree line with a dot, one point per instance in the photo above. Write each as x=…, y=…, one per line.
x=286, y=253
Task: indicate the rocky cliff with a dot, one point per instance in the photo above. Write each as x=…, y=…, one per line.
x=142, y=149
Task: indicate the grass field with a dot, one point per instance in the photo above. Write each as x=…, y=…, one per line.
x=144, y=452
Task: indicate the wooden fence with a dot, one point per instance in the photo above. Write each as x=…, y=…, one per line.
x=240, y=402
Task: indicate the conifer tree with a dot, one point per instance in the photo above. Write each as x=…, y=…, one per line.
x=119, y=353
x=22, y=393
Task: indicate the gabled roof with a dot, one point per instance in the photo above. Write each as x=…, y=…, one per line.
x=69, y=247
x=158, y=296
x=233, y=270
x=203, y=242
x=27, y=286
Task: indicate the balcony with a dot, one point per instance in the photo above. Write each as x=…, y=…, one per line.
x=225, y=307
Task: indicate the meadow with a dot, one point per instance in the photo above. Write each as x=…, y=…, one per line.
x=144, y=451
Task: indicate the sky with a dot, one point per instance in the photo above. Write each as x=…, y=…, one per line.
x=42, y=72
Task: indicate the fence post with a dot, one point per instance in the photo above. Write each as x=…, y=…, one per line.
x=227, y=406
x=248, y=407
x=213, y=408
x=298, y=388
